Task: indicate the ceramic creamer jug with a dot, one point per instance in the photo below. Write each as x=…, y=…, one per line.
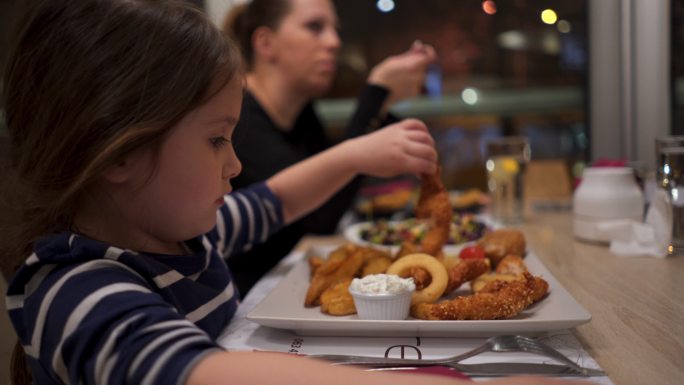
x=605, y=194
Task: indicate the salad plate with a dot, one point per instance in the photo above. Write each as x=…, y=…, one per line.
x=389, y=235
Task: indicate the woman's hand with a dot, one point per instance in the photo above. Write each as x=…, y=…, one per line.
x=403, y=75
x=403, y=147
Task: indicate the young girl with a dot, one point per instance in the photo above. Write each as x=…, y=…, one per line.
x=120, y=114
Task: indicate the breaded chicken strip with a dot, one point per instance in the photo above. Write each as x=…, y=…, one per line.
x=508, y=300
x=541, y=287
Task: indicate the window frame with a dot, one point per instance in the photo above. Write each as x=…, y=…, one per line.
x=630, y=78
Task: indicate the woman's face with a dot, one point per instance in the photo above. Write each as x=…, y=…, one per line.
x=306, y=44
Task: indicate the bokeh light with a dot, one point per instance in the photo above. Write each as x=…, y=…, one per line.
x=489, y=7
x=385, y=5
x=513, y=39
x=549, y=16
x=469, y=96
x=564, y=26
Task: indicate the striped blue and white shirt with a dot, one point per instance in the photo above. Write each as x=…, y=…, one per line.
x=91, y=313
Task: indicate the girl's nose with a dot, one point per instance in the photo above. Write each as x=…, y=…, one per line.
x=232, y=168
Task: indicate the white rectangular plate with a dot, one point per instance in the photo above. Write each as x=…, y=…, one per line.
x=283, y=308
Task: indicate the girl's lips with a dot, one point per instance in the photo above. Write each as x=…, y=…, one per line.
x=219, y=201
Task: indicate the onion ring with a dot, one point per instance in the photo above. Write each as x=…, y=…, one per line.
x=436, y=269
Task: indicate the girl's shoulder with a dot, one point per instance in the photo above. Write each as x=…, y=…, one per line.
x=66, y=254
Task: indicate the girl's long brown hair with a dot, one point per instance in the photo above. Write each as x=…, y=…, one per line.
x=86, y=82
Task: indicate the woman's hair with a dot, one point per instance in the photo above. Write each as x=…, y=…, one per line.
x=244, y=19
x=86, y=83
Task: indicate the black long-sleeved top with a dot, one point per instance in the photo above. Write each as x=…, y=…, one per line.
x=264, y=149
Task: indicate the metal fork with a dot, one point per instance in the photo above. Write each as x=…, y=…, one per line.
x=499, y=344
x=502, y=344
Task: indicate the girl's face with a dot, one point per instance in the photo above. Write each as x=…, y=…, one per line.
x=306, y=44
x=190, y=176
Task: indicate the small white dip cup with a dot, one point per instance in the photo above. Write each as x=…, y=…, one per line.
x=382, y=305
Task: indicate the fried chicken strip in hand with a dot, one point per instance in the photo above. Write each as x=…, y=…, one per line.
x=434, y=205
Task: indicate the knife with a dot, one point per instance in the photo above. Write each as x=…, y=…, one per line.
x=497, y=369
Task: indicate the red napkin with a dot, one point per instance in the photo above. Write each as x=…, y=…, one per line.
x=431, y=370
x=434, y=370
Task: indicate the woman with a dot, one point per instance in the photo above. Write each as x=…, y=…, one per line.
x=290, y=48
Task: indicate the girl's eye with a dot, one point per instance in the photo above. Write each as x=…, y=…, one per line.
x=219, y=141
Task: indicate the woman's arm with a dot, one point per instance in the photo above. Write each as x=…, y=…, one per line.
x=369, y=114
x=404, y=147
x=394, y=79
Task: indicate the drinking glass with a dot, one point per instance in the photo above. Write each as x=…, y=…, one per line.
x=671, y=162
x=506, y=159
x=660, y=143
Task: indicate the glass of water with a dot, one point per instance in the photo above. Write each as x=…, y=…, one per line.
x=671, y=162
x=660, y=143
x=506, y=159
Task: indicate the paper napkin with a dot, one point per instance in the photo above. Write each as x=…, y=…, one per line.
x=650, y=238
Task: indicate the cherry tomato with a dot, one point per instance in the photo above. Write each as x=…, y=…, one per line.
x=472, y=252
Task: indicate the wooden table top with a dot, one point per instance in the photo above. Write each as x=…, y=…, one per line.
x=637, y=304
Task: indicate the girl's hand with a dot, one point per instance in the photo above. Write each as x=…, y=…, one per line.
x=404, y=74
x=403, y=147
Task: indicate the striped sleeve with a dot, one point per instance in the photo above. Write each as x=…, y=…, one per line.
x=249, y=216
x=109, y=328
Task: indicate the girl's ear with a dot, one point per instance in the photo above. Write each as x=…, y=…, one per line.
x=263, y=42
x=118, y=173
x=127, y=167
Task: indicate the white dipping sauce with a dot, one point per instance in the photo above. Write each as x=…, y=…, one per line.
x=382, y=284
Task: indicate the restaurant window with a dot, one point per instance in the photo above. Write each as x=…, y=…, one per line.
x=514, y=67
x=677, y=67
